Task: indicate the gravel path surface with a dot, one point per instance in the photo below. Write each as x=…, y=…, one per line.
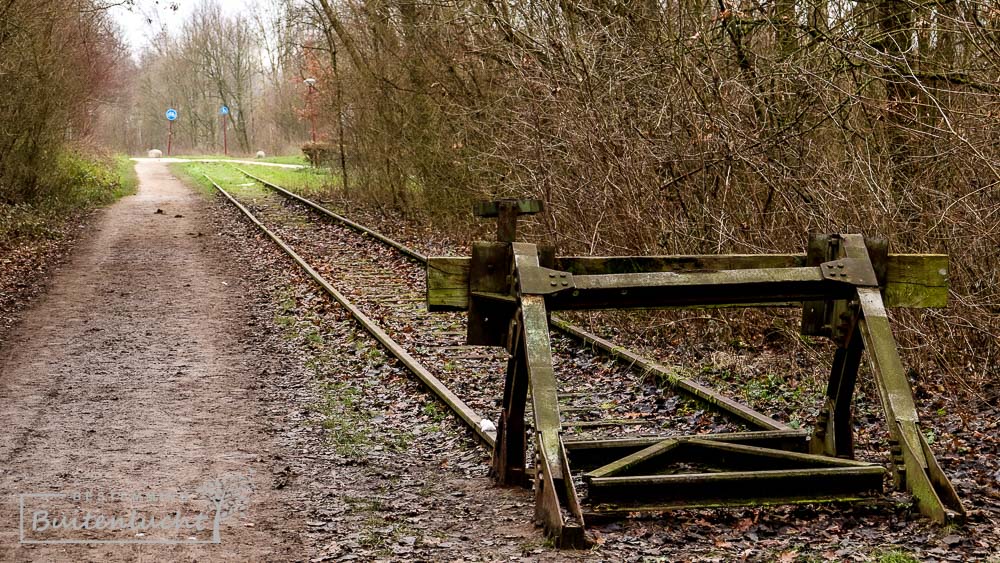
x=136, y=373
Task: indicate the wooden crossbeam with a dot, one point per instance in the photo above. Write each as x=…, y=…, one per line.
x=911, y=280
x=590, y=453
x=636, y=461
x=717, y=453
x=732, y=488
x=692, y=289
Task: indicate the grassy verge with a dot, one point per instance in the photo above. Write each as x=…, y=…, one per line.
x=231, y=180
x=285, y=159
x=77, y=183
x=306, y=181
x=303, y=181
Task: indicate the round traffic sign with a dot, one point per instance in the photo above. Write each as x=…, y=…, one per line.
x=224, y=110
x=171, y=114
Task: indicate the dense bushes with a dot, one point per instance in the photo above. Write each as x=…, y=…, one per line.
x=319, y=154
x=693, y=127
x=76, y=181
x=58, y=63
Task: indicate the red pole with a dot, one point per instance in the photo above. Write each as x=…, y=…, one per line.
x=170, y=135
x=225, y=134
x=312, y=114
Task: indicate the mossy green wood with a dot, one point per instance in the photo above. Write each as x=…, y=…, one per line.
x=449, y=278
x=689, y=490
x=911, y=280
x=918, y=470
x=775, y=475
x=554, y=486
x=589, y=453
x=488, y=318
x=723, y=454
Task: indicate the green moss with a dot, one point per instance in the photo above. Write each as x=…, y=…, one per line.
x=896, y=556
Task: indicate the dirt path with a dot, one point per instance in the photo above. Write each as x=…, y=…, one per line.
x=136, y=373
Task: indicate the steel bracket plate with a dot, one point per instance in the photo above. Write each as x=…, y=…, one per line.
x=851, y=271
x=544, y=281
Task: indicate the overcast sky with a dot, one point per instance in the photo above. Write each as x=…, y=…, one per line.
x=145, y=19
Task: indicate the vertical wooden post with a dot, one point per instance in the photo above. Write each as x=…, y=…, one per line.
x=834, y=434
x=507, y=211
x=489, y=272
x=507, y=220
x=508, y=466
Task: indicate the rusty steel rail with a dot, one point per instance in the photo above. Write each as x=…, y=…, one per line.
x=836, y=269
x=464, y=412
x=356, y=226
x=623, y=356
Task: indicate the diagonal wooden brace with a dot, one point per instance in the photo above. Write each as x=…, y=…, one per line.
x=915, y=467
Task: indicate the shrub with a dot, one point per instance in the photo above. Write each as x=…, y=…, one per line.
x=319, y=153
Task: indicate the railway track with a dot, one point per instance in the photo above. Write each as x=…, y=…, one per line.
x=610, y=392
x=611, y=401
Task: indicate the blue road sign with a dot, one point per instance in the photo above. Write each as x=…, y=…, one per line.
x=224, y=110
x=171, y=114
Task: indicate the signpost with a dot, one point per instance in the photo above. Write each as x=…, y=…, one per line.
x=225, y=129
x=171, y=116
x=311, y=83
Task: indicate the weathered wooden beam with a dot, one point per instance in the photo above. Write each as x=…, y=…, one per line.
x=745, y=487
x=544, y=400
x=554, y=487
x=550, y=494
x=508, y=464
x=715, y=453
x=917, y=280
x=636, y=462
x=691, y=289
x=817, y=315
x=911, y=280
x=488, y=319
x=589, y=453
x=449, y=278
x=612, y=510
x=750, y=457
x=835, y=426
x=601, y=265
x=918, y=470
